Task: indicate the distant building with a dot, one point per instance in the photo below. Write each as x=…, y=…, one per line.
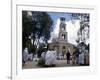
x=61, y=44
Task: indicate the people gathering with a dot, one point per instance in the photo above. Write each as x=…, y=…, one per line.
x=49, y=57
x=26, y=56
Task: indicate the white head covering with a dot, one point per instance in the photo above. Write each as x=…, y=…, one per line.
x=26, y=50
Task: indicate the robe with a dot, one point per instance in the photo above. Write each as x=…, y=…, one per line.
x=25, y=55
x=50, y=57
x=43, y=56
x=30, y=57
x=81, y=58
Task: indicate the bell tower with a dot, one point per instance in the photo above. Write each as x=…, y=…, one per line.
x=62, y=30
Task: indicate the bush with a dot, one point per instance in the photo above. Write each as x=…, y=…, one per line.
x=41, y=62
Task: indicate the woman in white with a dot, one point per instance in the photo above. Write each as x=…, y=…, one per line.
x=81, y=58
x=54, y=57
x=25, y=55
x=50, y=58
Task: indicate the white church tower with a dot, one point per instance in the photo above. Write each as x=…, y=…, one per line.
x=62, y=30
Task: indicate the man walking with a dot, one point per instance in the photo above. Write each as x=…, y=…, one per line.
x=68, y=57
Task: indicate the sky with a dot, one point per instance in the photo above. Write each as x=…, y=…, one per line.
x=70, y=27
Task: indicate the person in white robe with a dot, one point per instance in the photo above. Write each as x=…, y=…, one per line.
x=54, y=57
x=30, y=56
x=25, y=55
x=48, y=58
x=43, y=57
x=81, y=58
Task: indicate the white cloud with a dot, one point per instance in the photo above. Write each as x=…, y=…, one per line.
x=71, y=29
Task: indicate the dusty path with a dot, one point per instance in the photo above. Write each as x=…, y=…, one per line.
x=59, y=63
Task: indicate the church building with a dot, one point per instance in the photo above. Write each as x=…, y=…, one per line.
x=60, y=44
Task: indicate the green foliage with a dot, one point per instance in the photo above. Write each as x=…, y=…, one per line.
x=35, y=26
x=41, y=62
x=41, y=49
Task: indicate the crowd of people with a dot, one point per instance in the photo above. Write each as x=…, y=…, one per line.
x=26, y=56
x=49, y=57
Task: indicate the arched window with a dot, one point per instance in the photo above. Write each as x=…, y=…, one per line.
x=63, y=26
x=63, y=36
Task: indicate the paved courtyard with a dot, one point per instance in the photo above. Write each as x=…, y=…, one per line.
x=59, y=63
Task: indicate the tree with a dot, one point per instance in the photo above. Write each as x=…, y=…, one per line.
x=26, y=28
x=83, y=32
x=36, y=26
